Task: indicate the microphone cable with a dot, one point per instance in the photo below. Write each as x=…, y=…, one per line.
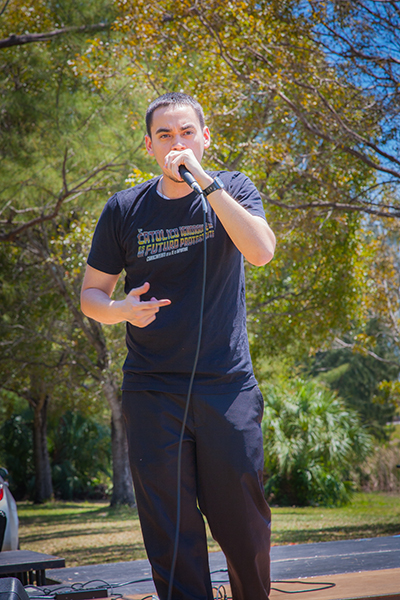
x=189, y=393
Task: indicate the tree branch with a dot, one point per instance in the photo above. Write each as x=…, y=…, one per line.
x=29, y=38
x=66, y=193
x=345, y=345
x=314, y=129
x=393, y=319
x=4, y=7
x=327, y=137
x=394, y=214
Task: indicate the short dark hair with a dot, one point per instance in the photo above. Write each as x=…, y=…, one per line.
x=176, y=99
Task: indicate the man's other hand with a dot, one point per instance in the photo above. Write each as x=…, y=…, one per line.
x=142, y=312
x=96, y=303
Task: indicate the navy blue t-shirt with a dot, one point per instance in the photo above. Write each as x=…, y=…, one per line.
x=161, y=241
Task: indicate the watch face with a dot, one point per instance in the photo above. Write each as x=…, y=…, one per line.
x=219, y=183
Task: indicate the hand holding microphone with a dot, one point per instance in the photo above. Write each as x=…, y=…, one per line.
x=189, y=179
x=183, y=163
x=171, y=161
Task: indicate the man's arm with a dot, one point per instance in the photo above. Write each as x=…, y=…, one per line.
x=251, y=234
x=96, y=302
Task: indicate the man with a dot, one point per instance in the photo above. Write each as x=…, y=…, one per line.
x=154, y=232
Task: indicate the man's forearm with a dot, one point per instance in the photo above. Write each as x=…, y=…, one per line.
x=97, y=305
x=250, y=234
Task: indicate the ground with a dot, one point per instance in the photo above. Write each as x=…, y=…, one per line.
x=91, y=532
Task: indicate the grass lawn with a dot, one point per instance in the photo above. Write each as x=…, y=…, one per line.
x=87, y=533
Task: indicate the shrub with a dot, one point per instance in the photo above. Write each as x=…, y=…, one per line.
x=80, y=457
x=312, y=442
x=380, y=473
x=16, y=440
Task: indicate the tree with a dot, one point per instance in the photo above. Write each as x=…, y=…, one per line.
x=16, y=451
x=64, y=261
x=62, y=142
x=383, y=283
x=289, y=100
x=30, y=364
x=43, y=352
x=47, y=145
x=362, y=39
x=360, y=370
x=61, y=346
x=263, y=77
x=289, y=82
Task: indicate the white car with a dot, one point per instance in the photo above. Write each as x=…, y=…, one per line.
x=8, y=516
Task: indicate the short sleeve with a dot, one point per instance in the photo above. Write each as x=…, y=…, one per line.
x=106, y=253
x=243, y=190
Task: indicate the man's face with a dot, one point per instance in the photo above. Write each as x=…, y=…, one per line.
x=176, y=128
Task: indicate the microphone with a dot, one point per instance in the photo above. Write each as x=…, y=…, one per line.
x=189, y=179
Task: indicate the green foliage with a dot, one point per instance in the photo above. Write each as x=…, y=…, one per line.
x=17, y=453
x=311, y=443
x=361, y=380
x=64, y=148
x=308, y=131
x=311, y=289
x=270, y=95
x=258, y=71
x=60, y=142
x=59, y=136
x=80, y=457
x=40, y=338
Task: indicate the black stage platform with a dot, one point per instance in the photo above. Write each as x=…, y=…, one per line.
x=288, y=562
x=28, y=565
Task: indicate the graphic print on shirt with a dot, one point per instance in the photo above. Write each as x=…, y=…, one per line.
x=159, y=243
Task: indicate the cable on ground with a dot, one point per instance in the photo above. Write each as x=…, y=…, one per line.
x=219, y=591
x=324, y=585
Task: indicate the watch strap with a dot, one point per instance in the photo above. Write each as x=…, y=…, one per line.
x=217, y=184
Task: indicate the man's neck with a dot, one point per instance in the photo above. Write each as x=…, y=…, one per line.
x=173, y=189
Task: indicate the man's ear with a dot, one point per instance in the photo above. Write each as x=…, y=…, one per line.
x=207, y=138
x=149, y=146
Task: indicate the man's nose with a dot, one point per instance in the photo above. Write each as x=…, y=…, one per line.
x=178, y=144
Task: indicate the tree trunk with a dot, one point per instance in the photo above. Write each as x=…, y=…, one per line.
x=122, y=478
x=43, y=484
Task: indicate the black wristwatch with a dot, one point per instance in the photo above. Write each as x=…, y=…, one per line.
x=217, y=184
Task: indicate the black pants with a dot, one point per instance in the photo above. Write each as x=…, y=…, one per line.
x=222, y=464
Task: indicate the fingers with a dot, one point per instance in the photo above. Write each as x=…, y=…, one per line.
x=137, y=292
x=151, y=305
x=142, y=312
x=173, y=161
x=142, y=322
x=140, y=290
x=186, y=157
